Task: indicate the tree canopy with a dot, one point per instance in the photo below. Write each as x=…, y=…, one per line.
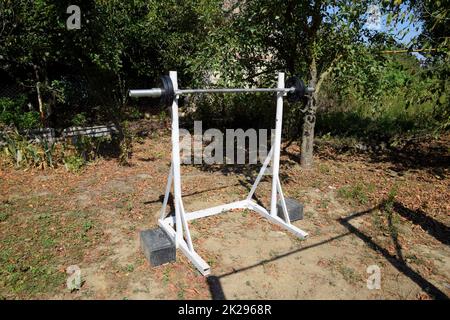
x=123, y=44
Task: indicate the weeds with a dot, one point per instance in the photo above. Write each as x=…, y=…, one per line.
x=386, y=219
x=181, y=292
x=3, y=216
x=323, y=168
x=212, y=261
x=324, y=203
x=166, y=276
x=126, y=144
x=392, y=217
x=29, y=259
x=20, y=151
x=5, y=209
x=11, y=113
x=73, y=163
x=389, y=202
x=349, y=274
x=357, y=193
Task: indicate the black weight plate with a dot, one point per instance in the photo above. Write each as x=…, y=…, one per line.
x=300, y=89
x=168, y=93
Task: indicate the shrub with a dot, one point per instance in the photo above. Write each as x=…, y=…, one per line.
x=12, y=113
x=73, y=163
x=23, y=152
x=79, y=119
x=355, y=193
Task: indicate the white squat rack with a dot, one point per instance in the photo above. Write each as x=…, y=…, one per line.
x=177, y=226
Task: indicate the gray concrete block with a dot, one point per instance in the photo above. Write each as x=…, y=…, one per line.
x=158, y=247
x=295, y=209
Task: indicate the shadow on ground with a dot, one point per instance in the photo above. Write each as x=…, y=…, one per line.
x=433, y=227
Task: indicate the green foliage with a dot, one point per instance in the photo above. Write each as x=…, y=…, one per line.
x=125, y=144
x=3, y=216
x=84, y=74
x=357, y=193
x=435, y=41
x=22, y=152
x=12, y=113
x=391, y=98
x=73, y=163
x=79, y=119
x=389, y=202
x=88, y=147
x=40, y=233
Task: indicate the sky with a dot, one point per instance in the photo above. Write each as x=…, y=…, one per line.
x=412, y=29
x=403, y=31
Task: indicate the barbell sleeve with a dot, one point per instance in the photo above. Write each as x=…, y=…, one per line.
x=152, y=93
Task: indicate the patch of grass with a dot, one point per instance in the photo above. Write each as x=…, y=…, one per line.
x=349, y=274
x=388, y=205
x=387, y=220
x=48, y=242
x=166, y=276
x=393, y=222
x=412, y=258
x=316, y=184
x=323, y=168
x=74, y=163
x=5, y=210
x=355, y=193
x=377, y=222
x=324, y=203
x=3, y=216
x=87, y=225
x=193, y=222
x=129, y=206
x=212, y=261
x=129, y=268
x=29, y=262
x=36, y=273
x=181, y=292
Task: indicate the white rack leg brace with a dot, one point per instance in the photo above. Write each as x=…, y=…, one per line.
x=178, y=228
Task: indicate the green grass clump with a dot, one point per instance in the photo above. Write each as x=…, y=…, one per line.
x=357, y=193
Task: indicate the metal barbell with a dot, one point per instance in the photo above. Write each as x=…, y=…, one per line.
x=295, y=89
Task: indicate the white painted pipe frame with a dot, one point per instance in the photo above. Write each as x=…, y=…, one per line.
x=177, y=227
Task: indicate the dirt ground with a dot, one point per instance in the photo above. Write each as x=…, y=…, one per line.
x=360, y=211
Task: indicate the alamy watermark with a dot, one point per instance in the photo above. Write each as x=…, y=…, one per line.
x=374, y=280
x=373, y=17
x=74, y=280
x=74, y=20
x=235, y=146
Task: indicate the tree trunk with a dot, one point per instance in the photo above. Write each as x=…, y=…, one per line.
x=306, y=159
x=309, y=120
x=40, y=103
x=39, y=96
